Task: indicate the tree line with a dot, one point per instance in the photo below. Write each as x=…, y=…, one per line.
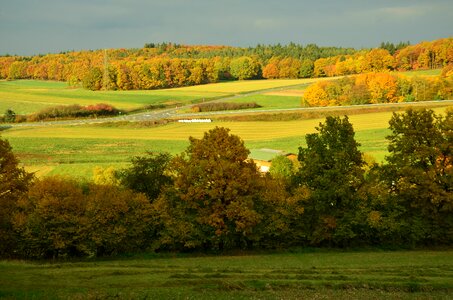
x=211, y=197
x=381, y=87
x=170, y=65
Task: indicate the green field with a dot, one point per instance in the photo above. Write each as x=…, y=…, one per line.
x=76, y=150
x=28, y=96
x=291, y=275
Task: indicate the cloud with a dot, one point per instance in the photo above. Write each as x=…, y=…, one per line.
x=31, y=26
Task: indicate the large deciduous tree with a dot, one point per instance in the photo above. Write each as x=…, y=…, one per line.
x=212, y=202
x=331, y=167
x=419, y=172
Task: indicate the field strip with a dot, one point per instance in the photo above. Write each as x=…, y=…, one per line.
x=171, y=113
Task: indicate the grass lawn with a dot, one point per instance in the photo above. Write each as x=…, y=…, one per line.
x=324, y=274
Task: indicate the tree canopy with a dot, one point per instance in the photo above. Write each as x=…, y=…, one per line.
x=214, y=193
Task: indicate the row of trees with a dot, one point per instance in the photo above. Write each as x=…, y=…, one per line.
x=169, y=65
x=426, y=55
x=379, y=88
x=211, y=196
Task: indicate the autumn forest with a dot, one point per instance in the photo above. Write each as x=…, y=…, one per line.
x=170, y=65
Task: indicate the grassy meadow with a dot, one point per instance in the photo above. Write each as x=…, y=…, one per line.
x=327, y=274
x=76, y=150
x=29, y=96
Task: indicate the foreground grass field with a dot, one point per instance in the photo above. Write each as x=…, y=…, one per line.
x=310, y=275
x=76, y=150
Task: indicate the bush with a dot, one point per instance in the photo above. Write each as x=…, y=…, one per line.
x=219, y=106
x=74, y=111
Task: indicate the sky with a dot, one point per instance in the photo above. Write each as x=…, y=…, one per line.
x=29, y=27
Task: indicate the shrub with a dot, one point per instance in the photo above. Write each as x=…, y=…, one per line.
x=219, y=106
x=74, y=111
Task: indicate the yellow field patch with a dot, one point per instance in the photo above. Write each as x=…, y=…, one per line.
x=290, y=93
x=39, y=170
x=259, y=130
x=247, y=85
x=256, y=130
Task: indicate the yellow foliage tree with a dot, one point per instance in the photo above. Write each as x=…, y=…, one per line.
x=382, y=88
x=315, y=95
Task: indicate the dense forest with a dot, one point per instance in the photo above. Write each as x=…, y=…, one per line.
x=212, y=197
x=169, y=65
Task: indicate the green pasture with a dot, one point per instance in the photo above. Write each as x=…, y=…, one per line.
x=319, y=274
x=76, y=150
x=28, y=96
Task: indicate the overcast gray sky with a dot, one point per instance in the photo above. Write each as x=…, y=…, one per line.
x=42, y=26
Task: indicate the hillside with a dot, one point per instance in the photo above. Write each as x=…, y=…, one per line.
x=169, y=65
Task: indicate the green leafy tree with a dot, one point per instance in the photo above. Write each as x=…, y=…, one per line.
x=282, y=167
x=331, y=168
x=307, y=68
x=245, y=68
x=14, y=183
x=148, y=174
x=281, y=213
x=419, y=173
x=212, y=202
